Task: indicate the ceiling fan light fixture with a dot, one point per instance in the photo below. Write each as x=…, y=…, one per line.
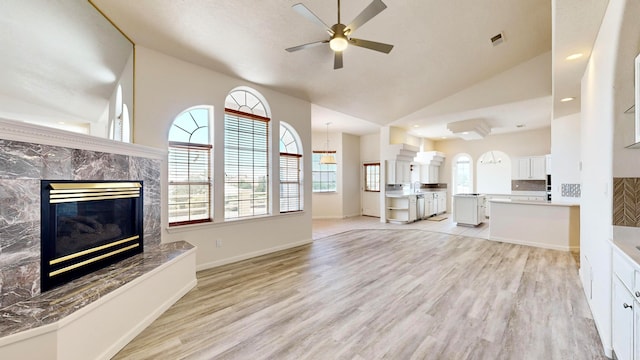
x=338, y=43
x=340, y=34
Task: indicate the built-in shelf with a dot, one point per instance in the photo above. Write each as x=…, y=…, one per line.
x=630, y=110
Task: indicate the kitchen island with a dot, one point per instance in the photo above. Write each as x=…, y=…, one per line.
x=543, y=224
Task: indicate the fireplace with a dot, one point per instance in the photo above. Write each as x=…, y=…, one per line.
x=87, y=226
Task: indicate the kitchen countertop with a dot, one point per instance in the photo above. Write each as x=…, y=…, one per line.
x=626, y=238
x=521, y=193
x=532, y=202
x=410, y=193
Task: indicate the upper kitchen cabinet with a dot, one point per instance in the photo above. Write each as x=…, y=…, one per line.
x=547, y=159
x=430, y=163
x=398, y=172
x=429, y=174
x=530, y=168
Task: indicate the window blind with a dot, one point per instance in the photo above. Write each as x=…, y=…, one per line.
x=290, y=184
x=189, y=183
x=246, y=164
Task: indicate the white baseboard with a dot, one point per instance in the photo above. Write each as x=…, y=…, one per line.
x=213, y=264
x=535, y=244
x=332, y=217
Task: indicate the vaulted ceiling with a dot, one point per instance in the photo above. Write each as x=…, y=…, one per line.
x=441, y=49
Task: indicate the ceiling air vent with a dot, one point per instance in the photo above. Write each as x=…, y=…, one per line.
x=497, y=39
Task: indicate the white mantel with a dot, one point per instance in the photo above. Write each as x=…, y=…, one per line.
x=21, y=131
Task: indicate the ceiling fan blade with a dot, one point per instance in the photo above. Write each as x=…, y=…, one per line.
x=372, y=45
x=367, y=14
x=337, y=60
x=306, y=46
x=304, y=11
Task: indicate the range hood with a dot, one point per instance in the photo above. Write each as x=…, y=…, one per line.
x=473, y=129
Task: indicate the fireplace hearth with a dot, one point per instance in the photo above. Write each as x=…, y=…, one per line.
x=87, y=225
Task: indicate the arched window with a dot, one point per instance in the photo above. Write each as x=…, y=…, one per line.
x=291, y=198
x=119, y=124
x=462, y=174
x=246, y=155
x=190, y=167
x=126, y=124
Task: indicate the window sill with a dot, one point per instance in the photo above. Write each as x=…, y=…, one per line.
x=214, y=224
x=324, y=192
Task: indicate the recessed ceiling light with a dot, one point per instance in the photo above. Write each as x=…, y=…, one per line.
x=61, y=122
x=416, y=126
x=574, y=56
x=444, y=137
x=465, y=133
x=567, y=99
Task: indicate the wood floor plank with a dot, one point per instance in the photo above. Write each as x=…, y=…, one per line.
x=382, y=294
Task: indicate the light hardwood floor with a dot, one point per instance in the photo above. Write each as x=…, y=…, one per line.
x=385, y=292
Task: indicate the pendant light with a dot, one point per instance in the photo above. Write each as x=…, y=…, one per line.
x=328, y=158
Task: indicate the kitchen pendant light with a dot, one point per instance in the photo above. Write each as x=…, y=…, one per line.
x=328, y=158
x=490, y=158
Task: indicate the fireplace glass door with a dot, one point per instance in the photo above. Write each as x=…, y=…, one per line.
x=86, y=226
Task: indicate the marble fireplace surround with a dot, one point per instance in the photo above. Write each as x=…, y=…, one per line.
x=52, y=323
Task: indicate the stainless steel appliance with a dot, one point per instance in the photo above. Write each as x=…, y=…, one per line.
x=548, y=187
x=420, y=207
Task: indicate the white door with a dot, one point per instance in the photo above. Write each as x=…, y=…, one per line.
x=371, y=189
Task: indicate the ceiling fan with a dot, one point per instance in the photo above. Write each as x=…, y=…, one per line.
x=340, y=34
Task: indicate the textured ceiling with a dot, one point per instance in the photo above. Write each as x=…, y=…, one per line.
x=443, y=67
x=441, y=47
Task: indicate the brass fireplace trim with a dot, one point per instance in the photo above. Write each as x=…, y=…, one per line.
x=74, y=192
x=94, y=249
x=86, y=262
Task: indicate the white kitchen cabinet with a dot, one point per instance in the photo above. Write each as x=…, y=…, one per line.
x=547, y=163
x=416, y=172
x=530, y=168
x=625, y=307
x=636, y=327
x=440, y=202
x=398, y=172
x=401, y=209
x=623, y=319
x=429, y=174
x=468, y=209
x=429, y=205
x=390, y=169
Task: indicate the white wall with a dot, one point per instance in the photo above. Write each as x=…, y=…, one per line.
x=596, y=145
x=165, y=86
x=351, y=169
x=345, y=201
x=328, y=205
x=626, y=162
x=494, y=178
x=369, y=153
x=370, y=148
x=565, y=155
